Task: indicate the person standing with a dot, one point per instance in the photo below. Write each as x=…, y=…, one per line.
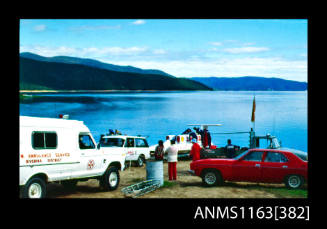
x=159, y=151
x=195, y=150
x=192, y=135
x=230, y=149
x=209, y=139
x=206, y=138
x=172, y=160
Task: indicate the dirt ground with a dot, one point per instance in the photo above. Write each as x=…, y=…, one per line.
x=186, y=186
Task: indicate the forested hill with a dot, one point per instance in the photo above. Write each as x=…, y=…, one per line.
x=92, y=63
x=41, y=75
x=251, y=83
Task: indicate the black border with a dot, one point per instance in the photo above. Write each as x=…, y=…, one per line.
x=151, y=212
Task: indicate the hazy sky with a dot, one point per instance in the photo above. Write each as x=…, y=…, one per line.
x=183, y=48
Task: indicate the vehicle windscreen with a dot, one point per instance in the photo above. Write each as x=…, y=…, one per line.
x=112, y=142
x=240, y=155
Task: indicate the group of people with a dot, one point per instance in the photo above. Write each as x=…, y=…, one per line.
x=171, y=152
x=172, y=155
x=205, y=136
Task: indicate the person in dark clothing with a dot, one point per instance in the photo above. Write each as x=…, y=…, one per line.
x=159, y=151
x=197, y=130
x=230, y=149
x=187, y=131
x=206, y=139
x=193, y=135
x=209, y=139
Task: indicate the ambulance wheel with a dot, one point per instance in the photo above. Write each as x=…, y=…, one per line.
x=110, y=179
x=140, y=161
x=35, y=188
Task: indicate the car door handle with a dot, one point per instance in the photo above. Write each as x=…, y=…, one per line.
x=257, y=165
x=285, y=166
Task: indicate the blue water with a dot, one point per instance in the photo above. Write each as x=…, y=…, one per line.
x=157, y=114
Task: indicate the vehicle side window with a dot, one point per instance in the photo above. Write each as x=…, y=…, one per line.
x=275, y=157
x=139, y=142
x=112, y=142
x=44, y=140
x=130, y=142
x=85, y=142
x=253, y=156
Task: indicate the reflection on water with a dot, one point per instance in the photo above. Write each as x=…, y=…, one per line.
x=158, y=114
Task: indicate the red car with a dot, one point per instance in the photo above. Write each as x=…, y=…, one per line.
x=255, y=165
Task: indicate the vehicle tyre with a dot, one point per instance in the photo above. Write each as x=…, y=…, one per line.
x=110, y=179
x=35, y=188
x=294, y=181
x=211, y=177
x=140, y=161
x=69, y=184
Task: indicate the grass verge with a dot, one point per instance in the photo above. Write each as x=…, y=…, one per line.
x=168, y=184
x=287, y=193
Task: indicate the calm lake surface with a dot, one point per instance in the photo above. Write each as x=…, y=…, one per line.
x=157, y=114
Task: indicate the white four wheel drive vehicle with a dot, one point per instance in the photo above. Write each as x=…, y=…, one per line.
x=61, y=150
x=135, y=148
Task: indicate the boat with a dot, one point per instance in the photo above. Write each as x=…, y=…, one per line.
x=184, y=141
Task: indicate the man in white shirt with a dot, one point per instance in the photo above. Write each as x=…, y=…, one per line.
x=172, y=160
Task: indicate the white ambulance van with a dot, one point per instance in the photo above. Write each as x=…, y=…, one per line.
x=64, y=151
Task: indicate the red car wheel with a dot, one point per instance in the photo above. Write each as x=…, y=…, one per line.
x=211, y=177
x=294, y=181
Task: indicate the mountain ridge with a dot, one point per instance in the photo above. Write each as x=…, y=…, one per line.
x=44, y=75
x=92, y=63
x=252, y=83
x=244, y=83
